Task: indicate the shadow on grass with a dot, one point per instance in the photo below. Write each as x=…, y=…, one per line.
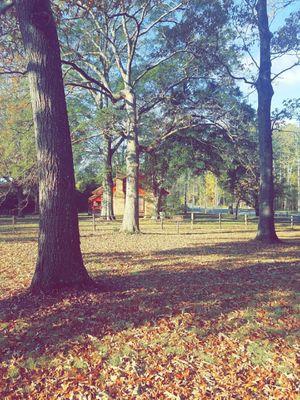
x=231, y=251
x=35, y=325
x=10, y=237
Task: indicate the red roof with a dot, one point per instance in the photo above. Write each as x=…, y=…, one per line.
x=97, y=193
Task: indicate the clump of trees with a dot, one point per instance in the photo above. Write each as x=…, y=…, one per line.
x=17, y=148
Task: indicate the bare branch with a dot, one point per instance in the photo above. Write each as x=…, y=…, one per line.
x=89, y=78
x=118, y=144
x=167, y=135
x=150, y=67
x=285, y=70
x=241, y=78
x=85, y=139
x=161, y=18
x=82, y=85
x=161, y=96
x=13, y=72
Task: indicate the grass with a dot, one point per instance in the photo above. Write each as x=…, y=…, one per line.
x=204, y=314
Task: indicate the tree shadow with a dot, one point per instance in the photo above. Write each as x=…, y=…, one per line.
x=35, y=325
x=17, y=238
x=237, y=248
x=230, y=250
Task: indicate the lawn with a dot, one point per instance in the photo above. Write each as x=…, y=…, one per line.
x=203, y=314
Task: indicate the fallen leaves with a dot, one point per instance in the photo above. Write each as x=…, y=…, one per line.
x=196, y=316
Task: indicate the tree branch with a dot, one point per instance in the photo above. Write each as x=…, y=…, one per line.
x=241, y=78
x=89, y=78
x=118, y=144
x=150, y=67
x=285, y=70
x=82, y=85
x=162, y=138
x=76, y=141
x=13, y=72
x=160, y=18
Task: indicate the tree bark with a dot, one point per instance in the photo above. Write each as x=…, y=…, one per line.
x=59, y=262
x=298, y=171
x=298, y=184
x=266, y=226
x=256, y=208
x=157, y=202
x=20, y=199
x=130, y=222
x=185, y=207
x=107, y=210
x=236, y=211
x=36, y=202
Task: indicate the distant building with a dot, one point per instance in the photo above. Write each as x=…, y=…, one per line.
x=146, y=198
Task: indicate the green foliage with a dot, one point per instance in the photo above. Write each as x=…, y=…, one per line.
x=286, y=158
x=17, y=144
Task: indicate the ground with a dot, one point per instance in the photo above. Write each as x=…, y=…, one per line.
x=203, y=314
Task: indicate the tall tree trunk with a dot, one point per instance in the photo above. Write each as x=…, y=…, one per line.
x=266, y=226
x=298, y=185
x=157, y=206
x=130, y=222
x=157, y=193
x=107, y=205
x=157, y=202
x=185, y=207
x=36, y=202
x=256, y=207
x=59, y=262
x=217, y=200
x=20, y=199
x=236, y=211
x=298, y=171
x=185, y=192
x=288, y=199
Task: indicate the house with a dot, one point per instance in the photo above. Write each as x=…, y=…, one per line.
x=146, y=197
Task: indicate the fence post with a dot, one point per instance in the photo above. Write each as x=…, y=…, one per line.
x=14, y=222
x=220, y=220
x=192, y=220
x=94, y=222
x=292, y=222
x=162, y=215
x=246, y=219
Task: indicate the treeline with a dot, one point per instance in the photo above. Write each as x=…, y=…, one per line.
x=225, y=175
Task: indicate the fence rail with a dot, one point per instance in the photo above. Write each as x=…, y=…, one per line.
x=178, y=223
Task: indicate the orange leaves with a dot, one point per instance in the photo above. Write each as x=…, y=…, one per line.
x=185, y=317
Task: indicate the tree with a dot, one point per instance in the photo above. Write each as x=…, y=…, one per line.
x=240, y=175
x=203, y=127
x=17, y=147
x=248, y=16
x=162, y=165
x=110, y=122
x=286, y=166
x=122, y=29
x=59, y=262
x=93, y=152
x=266, y=224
